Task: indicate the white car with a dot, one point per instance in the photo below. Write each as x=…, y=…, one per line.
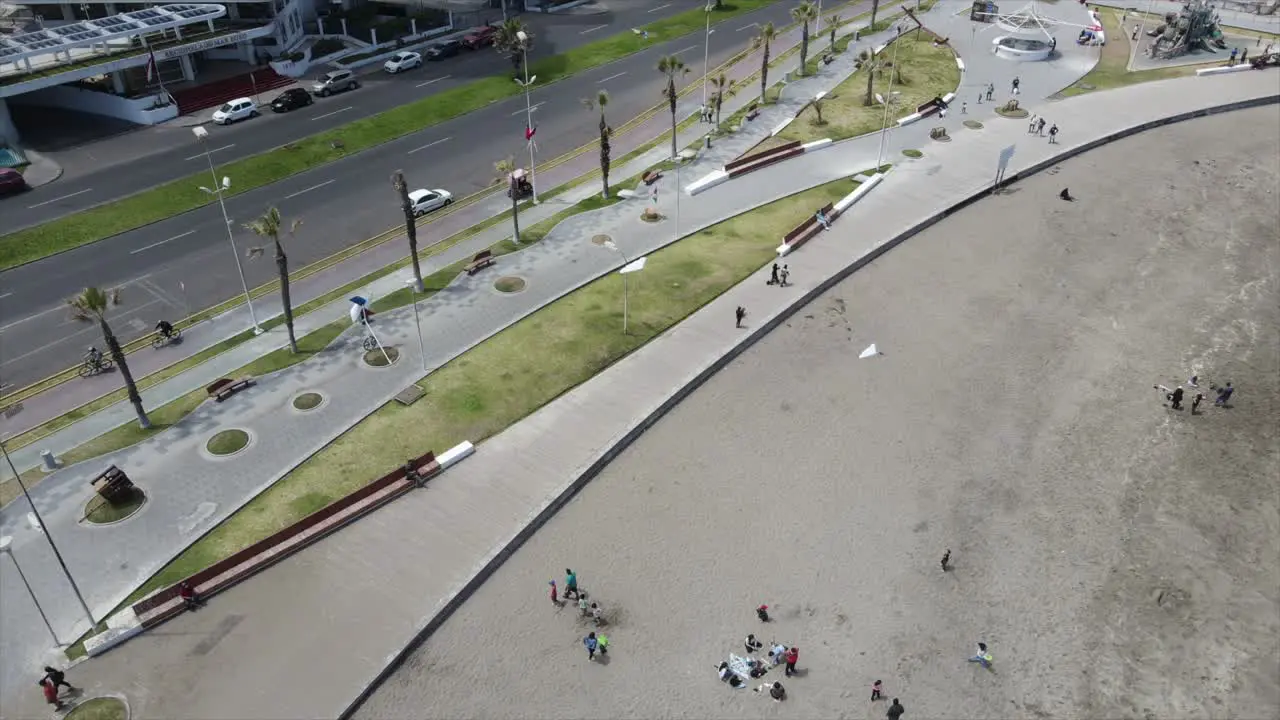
x=402, y=61
x=235, y=110
x=424, y=201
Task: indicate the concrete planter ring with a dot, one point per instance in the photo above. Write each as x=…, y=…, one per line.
x=227, y=443
x=308, y=401
x=100, y=513
x=376, y=358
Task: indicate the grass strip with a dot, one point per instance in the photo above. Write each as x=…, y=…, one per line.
x=182, y=195
x=1112, y=70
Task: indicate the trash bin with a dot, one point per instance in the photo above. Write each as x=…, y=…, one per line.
x=50, y=462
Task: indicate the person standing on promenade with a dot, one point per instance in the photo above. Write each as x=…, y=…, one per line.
x=1053, y=134
x=739, y=315
x=876, y=691
x=946, y=560
x=591, y=644
x=570, y=584
x=1195, y=403
x=57, y=677
x=792, y=656
x=895, y=710
x=1224, y=395
x=555, y=600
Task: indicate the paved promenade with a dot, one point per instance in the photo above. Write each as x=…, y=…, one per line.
x=271, y=648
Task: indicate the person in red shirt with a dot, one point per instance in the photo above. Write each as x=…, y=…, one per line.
x=792, y=656
x=189, y=596
x=51, y=695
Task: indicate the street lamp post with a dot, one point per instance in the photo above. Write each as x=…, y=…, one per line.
x=47, y=536
x=888, y=98
x=611, y=245
x=523, y=37
x=5, y=542
x=706, y=55
x=218, y=190
x=422, y=348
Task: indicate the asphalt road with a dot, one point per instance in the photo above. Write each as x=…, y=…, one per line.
x=184, y=262
x=115, y=167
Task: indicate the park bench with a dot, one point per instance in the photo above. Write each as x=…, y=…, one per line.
x=807, y=229
x=752, y=114
x=651, y=176
x=226, y=387
x=755, y=161
x=482, y=260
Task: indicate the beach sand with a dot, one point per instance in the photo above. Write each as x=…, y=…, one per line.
x=1121, y=559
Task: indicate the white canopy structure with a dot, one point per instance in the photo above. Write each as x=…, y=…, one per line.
x=62, y=39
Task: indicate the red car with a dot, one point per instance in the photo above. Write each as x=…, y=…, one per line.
x=480, y=37
x=11, y=181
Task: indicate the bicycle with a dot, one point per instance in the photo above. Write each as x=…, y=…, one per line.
x=369, y=343
x=89, y=368
x=160, y=340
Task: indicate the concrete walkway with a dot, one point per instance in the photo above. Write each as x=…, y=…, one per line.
x=270, y=648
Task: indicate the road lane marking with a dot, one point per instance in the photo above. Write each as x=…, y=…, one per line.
x=72, y=336
x=532, y=107
x=5, y=295
x=748, y=27
x=611, y=77
x=64, y=197
x=335, y=112
x=313, y=187
x=660, y=7
x=430, y=144
x=685, y=50
x=433, y=80
x=158, y=244
x=55, y=308
x=224, y=147
x=593, y=29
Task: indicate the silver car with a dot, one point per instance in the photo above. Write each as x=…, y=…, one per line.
x=336, y=81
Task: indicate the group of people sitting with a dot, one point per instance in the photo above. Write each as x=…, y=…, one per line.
x=738, y=671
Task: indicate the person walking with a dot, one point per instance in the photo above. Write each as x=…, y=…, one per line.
x=597, y=614
x=1053, y=134
x=785, y=275
x=57, y=677
x=1016, y=82
x=582, y=605
x=792, y=656
x=752, y=644
x=1244, y=54
x=51, y=695
x=555, y=600
x=895, y=710
x=983, y=657
x=602, y=643
x=964, y=108
x=877, y=689
x=1040, y=126
x=1134, y=36
x=979, y=97
x=946, y=560
x=1232, y=60
x=1224, y=395
x=739, y=315
x=570, y=584
x=1195, y=403
x=591, y=644
x=991, y=91
x=1175, y=399
x=773, y=275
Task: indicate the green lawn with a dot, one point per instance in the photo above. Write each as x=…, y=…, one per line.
x=185, y=194
x=1112, y=70
x=99, y=708
x=513, y=373
x=924, y=70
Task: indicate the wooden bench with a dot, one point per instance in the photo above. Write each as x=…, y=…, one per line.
x=650, y=177
x=226, y=387
x=752, y=114
x=479, y=262
x=807, y=229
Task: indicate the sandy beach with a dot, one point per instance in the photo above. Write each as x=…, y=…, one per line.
x=1120, y=558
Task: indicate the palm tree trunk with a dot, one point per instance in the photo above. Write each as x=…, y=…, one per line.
x=604, y=158
x=515, y=215
x=113, y=346
x=871, y=75
x=804, y=47
x=411, y=231
x=282, y=266
x=764, y=72
x=671, y=102
x=875, y=6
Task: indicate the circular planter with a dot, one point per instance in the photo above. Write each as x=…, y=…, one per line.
x=601, y=239
x=1018, y=114
x=375, y=358
x=652, y=217
x=105, y=513
x=942, y=138
x=307, y=401
x=509, y=284
x=227, y=442
x=913, y=153
x=973, y=124
x=99, y=708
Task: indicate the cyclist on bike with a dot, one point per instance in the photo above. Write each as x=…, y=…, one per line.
x=165, y=329
x=93, y=356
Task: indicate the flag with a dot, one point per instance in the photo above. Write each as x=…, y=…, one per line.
x=529, y=133
x=152, y=70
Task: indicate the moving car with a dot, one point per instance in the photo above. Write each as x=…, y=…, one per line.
x=11, y=182
x=291, y=99
x=335, y=81
x=442, y=50
x=235, y=110
x=424, y=201
x=480, y=37
x=402, y=61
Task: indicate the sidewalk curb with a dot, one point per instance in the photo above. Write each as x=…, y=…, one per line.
x=605, y=456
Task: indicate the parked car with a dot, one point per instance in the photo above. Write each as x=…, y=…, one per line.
x=336, y=81
x=442, y=50
x=11, y=182
x=291, y=99
x=480, y=37
x=235, y=111
x=402, y=61
x=424, y=201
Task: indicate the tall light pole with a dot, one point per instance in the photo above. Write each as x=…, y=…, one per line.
x=611, y=245
x=706, y=55
x=888, y=98
x=47, y=536
x=523, y=37
x=218, y=190
x=412, y=284
x=5, y=542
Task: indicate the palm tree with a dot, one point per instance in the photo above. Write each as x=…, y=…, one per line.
x=804, y=13
x=507, y=41
x=671, y=66
x=601, y=100
x=721, y=89
x=410, y=226
x=268, y=227
x=875, y=6
x=92, y=305
x=817, y=104
x=872, y=65
x=766, y=36
x=834, y=23
x=503, y=170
